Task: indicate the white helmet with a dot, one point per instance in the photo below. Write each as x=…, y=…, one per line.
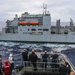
x=10, y=55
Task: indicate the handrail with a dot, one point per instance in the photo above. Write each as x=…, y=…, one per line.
x=72, y=66
x=40, y=67
x=39, y=64
x=70, y=63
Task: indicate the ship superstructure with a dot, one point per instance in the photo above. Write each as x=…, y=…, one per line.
x=37, y=28
x=28, y=26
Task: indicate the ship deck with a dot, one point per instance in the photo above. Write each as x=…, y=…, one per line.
x=41, y=70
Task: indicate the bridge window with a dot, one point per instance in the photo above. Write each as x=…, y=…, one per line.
x=20, y=29
x=45, y=29
x=28, y=29
x=39, y=29
x=33, y=29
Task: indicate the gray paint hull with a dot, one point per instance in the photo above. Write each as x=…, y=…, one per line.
x=52, y=38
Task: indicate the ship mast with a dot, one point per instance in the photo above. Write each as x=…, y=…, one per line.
x=44, y=8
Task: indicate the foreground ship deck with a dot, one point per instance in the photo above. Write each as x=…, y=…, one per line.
x=41, y=70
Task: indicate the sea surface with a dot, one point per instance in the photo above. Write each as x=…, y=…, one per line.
x=17, y=48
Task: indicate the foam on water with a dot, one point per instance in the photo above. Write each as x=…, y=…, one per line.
x=16, y=48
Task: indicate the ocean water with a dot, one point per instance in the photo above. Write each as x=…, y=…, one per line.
x=16, y=49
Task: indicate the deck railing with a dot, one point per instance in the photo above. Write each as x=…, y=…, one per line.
x=49, y=66
x=70, y=63
x=40, y=67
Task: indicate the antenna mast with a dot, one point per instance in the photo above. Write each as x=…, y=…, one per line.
x=44, y=8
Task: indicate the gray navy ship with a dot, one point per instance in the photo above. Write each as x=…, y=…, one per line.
x=37, y=28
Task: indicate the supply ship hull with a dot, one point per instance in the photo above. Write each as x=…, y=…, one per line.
x=38, y=39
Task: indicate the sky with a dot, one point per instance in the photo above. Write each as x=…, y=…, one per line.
x=59, y=9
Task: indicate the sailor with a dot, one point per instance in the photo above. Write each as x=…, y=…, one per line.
x=44, y=58
x=54, y=58
x=7, y=68
x=11, y=61
x=68, y=68
x=25, y=56
x=54, y=55
x=64, y=70
x=1, y=69
x=33, y=58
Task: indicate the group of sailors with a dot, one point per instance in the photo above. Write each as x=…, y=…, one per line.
x=64, y=67
x=8, y=66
